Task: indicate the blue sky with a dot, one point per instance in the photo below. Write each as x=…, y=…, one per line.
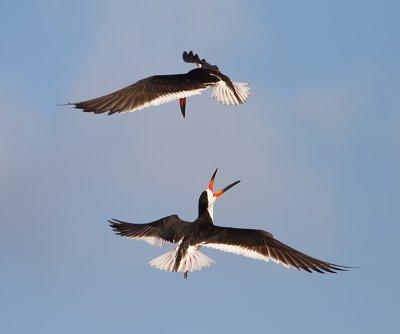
x=316, y=148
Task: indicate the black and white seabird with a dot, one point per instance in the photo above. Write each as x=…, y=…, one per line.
x=159, y=89
x=191, y=236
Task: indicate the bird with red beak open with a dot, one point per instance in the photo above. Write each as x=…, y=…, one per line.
x=212, y=196
x=190, y=237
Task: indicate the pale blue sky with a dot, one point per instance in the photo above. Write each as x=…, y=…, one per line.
x=316, y=148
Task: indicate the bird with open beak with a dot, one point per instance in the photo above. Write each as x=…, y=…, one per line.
x=190, y=237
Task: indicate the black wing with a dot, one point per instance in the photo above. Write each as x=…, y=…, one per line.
x=157, y=233
x=261, y=245
x=189, y=57
x=148, y=92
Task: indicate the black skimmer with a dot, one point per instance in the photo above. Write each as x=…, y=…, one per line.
x=191, y=236
x=159, y=89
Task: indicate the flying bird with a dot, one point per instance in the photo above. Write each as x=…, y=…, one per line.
x=159, y=89
x=190, y=237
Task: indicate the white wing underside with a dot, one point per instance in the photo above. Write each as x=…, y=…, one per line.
x=239, y=250
x=168, y=98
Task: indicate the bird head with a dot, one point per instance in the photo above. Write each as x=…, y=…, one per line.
x=209, y=196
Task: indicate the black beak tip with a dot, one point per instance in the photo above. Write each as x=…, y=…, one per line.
x=215, y=173
x=235, y=183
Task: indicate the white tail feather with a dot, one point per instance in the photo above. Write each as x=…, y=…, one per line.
x=164, y=262
x=225, y=95
x=193, y=260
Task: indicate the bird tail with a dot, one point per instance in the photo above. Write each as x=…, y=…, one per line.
x=224, y=94
x=192, y=261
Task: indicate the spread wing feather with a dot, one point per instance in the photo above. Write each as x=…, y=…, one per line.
x=169, y=229
x=148, y=92
x=262, y=245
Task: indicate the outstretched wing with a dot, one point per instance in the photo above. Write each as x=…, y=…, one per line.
x=189, y=57
x=158, y=233
x=261, y=245
x=148, y=92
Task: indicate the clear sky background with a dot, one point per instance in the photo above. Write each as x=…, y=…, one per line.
x=316, y=148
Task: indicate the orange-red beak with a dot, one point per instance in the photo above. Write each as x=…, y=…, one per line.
x=182, y=104
x=218, y=193
x=211, y=183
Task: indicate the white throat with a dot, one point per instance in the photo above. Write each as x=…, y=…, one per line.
x=211, y=200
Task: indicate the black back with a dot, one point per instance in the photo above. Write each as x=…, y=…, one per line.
x=203, y=76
